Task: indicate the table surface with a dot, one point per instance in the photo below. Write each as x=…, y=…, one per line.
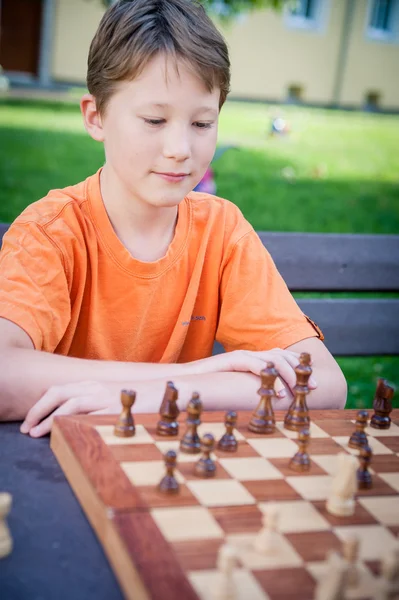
x=56, y=554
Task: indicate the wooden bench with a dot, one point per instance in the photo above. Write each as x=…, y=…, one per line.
x=323, y=263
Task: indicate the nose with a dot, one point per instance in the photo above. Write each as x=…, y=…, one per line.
x=177, y=143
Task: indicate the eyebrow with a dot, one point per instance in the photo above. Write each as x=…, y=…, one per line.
x=207, y=109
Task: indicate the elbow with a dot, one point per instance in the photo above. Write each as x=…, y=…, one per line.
x=339, y=390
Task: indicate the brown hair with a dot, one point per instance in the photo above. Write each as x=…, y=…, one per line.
x=132, y=32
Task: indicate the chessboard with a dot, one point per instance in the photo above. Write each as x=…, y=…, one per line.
x=163, y=546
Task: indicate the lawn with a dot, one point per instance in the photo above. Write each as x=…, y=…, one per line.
x=335, y=172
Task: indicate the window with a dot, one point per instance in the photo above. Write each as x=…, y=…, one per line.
x=383, y=20
x=306, y=14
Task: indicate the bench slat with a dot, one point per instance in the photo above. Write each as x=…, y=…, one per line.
x=335, y=262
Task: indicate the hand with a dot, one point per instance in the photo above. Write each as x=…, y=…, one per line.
x=250, y=361
x=88, y=397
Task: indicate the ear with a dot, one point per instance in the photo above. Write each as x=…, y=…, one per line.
x=91, y=117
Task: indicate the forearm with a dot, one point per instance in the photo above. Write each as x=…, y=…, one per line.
x=25, y=375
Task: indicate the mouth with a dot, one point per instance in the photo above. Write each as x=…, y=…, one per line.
x=173, y=177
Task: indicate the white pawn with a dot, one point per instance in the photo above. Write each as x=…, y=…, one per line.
x=344, y=486
x=226, y=561
x=388, y=583
x=350, y=552
x=5, y=536
x=266, y=540
x=332, y=585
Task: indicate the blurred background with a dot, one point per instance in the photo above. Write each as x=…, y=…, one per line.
x=308, y=140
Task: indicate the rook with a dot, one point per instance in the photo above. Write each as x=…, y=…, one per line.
x=125, y=424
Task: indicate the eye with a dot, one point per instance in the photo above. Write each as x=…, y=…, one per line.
x=154, y=121
x=204, y=125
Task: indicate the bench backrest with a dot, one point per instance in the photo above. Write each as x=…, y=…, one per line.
x=341, y=263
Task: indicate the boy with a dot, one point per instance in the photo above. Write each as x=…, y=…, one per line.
x=125, y=280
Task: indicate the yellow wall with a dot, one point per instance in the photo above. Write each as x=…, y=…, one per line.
x=371, y=65
x=75, y=24
x=267, y=56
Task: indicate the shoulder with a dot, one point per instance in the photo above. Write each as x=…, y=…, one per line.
x=219, y=214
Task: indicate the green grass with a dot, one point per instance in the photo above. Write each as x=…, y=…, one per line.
x=336, y=172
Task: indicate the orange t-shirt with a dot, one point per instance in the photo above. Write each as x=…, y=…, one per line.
x=68, y=281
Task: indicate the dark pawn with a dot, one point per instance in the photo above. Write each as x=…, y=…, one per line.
x=169, y=483
x=262, y=420
x=169, y=412
x=228, y=442
x=364, y=481
x=297, y=416
x=358, y=439
x=382, y=405
x=206, y=467
x=125, y=425
x=191, y=443
x=301, y=461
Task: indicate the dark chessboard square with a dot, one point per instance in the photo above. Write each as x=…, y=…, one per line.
x=391, y=442
x=282, y=464
x=394, y=529
x=194, y=555
x=271, y=490
x=385, y=463
x=314, y=546
x=324, y=446
x=379, y=488
x=238, y=519
x=156, y=499
x=374, y=566
x=286, y=584
x=244, y=450
x=243, y=429
x=135, y=452
x=187, y=470
x=337, y=427
x=361, y=516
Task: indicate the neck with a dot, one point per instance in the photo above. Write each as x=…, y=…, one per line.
x=145, y=230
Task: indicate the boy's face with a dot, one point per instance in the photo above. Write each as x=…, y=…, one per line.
x=143, y=141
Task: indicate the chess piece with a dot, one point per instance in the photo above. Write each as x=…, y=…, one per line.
x=359, y=437
x=344, y=486
x=364, y=481
x=350, y=552
x=388, y=582
x=228, y=442
x=169, y=412
x=262, y=420
x=191, y=443
x=382, y=405
x=206, y=466
x=225, y=588
x=332, y=585
x=5, y=536
x=297, y=416
x=125, y=425
x=301, y=461
x=266, y=540
x=169, y=484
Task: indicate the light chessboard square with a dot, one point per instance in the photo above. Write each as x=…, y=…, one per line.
x=187, y=523
x=315, y=431
x=282, y=555
x=376, y=446
x=384, y=508
x=246, y=587
x=148, y=472
x=220, y=492
x=312, y=487
x=365, y=587
x=393, y=430
x=250, y=469
x=328, y=462
x=297, y=516
x=391, y=479
x=141, y=436
x=374, y=540
x=181, y=456
x=274, y=447
x=217, y=430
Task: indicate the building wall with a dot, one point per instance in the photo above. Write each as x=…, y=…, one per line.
x=267, y=56
x=75, y=23
x=371, y=65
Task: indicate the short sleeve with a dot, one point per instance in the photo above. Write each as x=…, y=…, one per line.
x=257, y=310
x=33, y=285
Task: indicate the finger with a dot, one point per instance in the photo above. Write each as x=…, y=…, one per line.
x=72, y=406
x=285, y=371
x=54, y=397
x=291, y=358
